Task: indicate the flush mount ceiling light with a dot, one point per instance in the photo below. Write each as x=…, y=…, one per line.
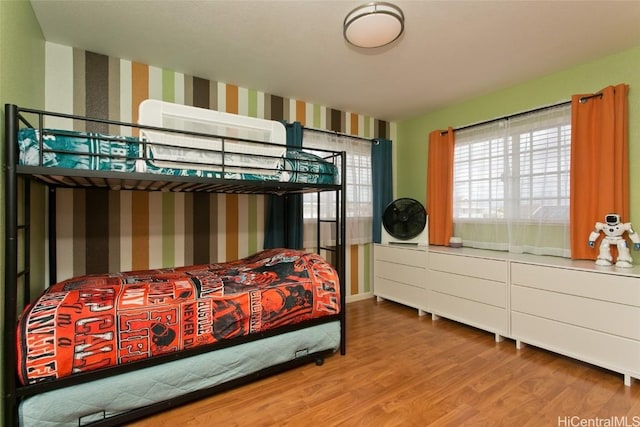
x=373, y=24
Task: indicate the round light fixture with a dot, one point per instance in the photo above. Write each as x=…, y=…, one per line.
x=373, y=24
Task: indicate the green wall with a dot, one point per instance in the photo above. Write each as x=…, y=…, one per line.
x=623, y=67
x=21, y=82
x=21, y=55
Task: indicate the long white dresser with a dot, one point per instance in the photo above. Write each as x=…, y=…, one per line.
x=574, y=308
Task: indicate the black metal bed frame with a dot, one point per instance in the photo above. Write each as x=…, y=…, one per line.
x=12, y=392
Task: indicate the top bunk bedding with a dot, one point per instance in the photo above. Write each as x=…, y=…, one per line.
x=96, y=321
x=178, y=140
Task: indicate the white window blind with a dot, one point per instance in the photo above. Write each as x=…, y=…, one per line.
x=511, y=183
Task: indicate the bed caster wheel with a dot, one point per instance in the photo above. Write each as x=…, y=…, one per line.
x=319, y=361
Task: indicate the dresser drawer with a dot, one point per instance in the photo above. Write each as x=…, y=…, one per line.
x=483, y=316
x=609, y=351
x=592, y=284
x=400, y=255
x=617, y=319
x=414, y=276
x=483, y=268
x=471, y=288
x=400, y=292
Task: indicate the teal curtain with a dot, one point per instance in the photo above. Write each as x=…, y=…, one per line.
x=284, y=214
x=382, y=182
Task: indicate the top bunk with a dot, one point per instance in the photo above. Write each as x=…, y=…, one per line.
x=174, y=148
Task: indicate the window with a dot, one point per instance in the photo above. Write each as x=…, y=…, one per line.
x=359, y=193
x=512, y=175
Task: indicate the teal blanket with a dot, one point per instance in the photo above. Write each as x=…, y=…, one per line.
x=78, y=150
x=94, y=151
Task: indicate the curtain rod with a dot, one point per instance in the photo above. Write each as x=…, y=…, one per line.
x=535, y=110
x=332, y=132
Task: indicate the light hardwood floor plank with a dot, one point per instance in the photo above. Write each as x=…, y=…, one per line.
x=404, y=370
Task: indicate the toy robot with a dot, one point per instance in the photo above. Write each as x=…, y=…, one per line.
x=613, y=230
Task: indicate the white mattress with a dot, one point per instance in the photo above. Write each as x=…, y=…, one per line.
x=85, y=403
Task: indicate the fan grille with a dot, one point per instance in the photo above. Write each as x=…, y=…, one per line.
x=404, y=218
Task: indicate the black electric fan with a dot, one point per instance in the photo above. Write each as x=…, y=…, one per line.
x=404, y=218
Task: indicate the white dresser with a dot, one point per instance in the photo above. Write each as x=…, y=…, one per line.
x=470, y=287
x=400, y=275
x=580, y=310
x=574, y=308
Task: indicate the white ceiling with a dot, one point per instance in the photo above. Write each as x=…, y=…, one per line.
x=451, y=50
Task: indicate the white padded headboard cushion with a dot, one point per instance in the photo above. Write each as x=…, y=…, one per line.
x=182, y=117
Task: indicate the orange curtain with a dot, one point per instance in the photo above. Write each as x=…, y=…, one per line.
x=599, y=163
x=440, y=186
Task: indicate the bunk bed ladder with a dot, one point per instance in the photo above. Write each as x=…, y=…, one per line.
x=341, y=195
x=338, y=250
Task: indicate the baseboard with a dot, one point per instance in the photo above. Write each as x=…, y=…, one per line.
x=359, y=297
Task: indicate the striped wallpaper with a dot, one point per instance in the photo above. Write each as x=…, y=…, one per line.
x=153, y=229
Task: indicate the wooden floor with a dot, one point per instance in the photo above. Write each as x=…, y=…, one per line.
x=404, y=370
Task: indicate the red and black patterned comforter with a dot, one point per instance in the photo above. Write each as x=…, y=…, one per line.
x=96, y=321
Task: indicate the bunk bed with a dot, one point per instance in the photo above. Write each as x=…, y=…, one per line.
x=172, y=148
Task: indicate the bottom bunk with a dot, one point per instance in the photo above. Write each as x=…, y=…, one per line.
x=131, y=395
x=114, y=347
